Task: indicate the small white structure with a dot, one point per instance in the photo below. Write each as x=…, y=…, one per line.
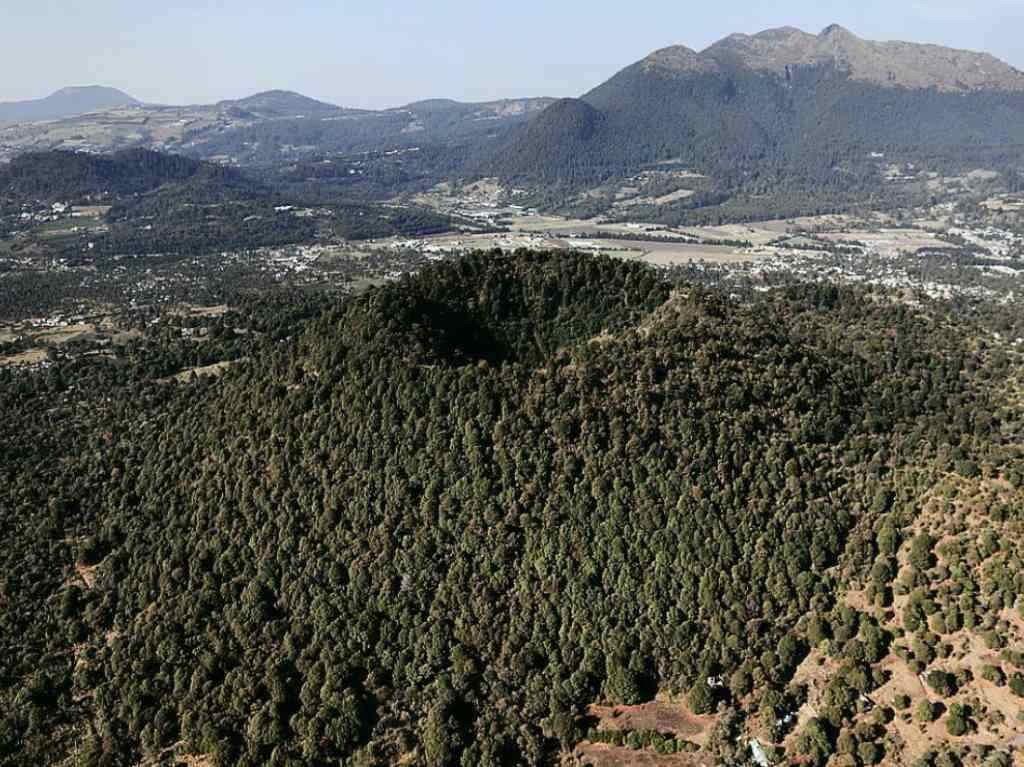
x=759, y=754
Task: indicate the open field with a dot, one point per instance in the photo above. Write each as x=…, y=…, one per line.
x=671, y=720
x=669, y=254
x=127, y=126
x=202, y=311
x=206, y=371
x=31, y=357
x=63, y=335
x=665, y=199
x=889, y=241
x=783, y=243
x=661, y=253
x=659, y=715
x=824, y=223
x=45, y=333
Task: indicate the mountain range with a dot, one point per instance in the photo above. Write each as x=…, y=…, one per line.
x=779, y=110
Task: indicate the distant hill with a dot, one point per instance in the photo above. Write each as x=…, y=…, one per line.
x=781, y=99
x=67, y=102
x=561, y=143
x=469, y=129
x=281, y=104
x=274, y=127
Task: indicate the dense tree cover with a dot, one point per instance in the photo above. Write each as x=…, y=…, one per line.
x=195, y=230
x=737, y=121
x=325, y=177
x=458, y=509
x=368, y=222
x=57, y=425
x=62, y=176
x=163, y=203
x=197, y=218
x=776, y=147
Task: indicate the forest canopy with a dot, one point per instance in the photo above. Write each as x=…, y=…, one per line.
x=444, y=517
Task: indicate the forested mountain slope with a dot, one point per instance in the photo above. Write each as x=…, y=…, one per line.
x=68, y=176
x=441, y=521
x=810, y=108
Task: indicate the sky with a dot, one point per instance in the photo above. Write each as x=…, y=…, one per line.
x=382, y=53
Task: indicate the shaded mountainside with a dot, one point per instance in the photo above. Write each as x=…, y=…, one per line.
x=448, y=516
x=800, y=103
x=66, y=176
x=565, y=142
x=67, y=102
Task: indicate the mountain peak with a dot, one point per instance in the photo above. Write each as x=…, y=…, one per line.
x=91, y=90
x=771, y=50
x=835, y=30
x=281, y=103
x=678, y=59
x=782, y=34
x=67, y=102
x=889, y=64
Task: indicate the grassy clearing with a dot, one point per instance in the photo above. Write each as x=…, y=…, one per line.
x=206, y=371
x=670, y=719
x=30, y=357
x=659, y=715
x=63, y=335
x=206, y=311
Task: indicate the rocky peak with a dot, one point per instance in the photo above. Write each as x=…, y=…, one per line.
x=678, y=59
x=833, y=31
x=889, y=64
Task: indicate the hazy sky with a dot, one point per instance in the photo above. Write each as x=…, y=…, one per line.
x=377, y=53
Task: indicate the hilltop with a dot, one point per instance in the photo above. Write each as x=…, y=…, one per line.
x=279, y=103
x=67, y=102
